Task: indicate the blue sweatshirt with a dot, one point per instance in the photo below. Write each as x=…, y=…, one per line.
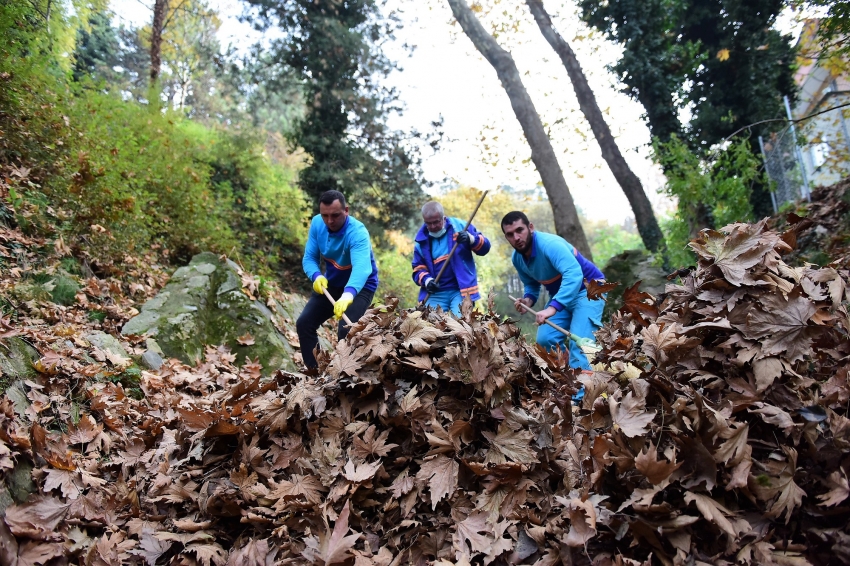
x=428, y=259
x=557, y=265
x=347, y=252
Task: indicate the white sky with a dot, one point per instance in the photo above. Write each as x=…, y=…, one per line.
x=445, y=76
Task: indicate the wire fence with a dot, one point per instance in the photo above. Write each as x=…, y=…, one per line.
x=809, y=152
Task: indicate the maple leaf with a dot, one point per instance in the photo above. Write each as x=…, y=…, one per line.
x=441, y=474
x=735, y=445
x=255, y=553
x=596, y=289
x=332, y=547
x=735, y=253
x=207, y=553
x=655, y=471
x=513, y=445
x=372, y=445
x=31, y=553
x=246, y=339
x=418, y=334
x=84, y=431
x=658, y=339
x=582, y=521
x=37, y=518
x=410, y=402
x=631, y=415
x=402, y=484
x=778, y=481
x=467, y=538
x=635, y=302
x=361, y=473
x=344, y=361
x=308, y=487
x=65, y=480
x=712, y=511
x=242, y=479
x=782, y=326
x=839, y=489
x=151, y=548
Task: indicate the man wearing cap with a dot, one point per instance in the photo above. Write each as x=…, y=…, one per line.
x=431, y=249
x=549, y=260
x=351, y=275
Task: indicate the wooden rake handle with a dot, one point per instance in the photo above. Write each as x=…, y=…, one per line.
x=454, y=247
x=333, y=302
x=567, y=333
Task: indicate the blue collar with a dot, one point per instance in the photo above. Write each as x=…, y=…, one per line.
x=341, y=231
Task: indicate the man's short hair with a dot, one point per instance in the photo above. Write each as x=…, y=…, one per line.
x=432, y=207
x=512, y=217
x=328, y=197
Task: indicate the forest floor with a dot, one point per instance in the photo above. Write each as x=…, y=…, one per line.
x=434, y=439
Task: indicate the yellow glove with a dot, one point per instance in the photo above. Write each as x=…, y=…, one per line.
x=320, y=285
x=342, y=303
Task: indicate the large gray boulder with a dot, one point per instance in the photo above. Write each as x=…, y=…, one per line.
x=203, y=305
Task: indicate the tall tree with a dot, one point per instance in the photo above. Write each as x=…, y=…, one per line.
x=647, y=224
x=97, y=50
x=542, y=154
x=160, y=11
x=334, y=48
x=721, y=59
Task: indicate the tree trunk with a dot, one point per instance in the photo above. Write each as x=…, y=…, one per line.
x=647, y=225
x=160, y=8
x=542, y=154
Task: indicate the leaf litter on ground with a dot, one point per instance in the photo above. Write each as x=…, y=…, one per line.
x=432, y=439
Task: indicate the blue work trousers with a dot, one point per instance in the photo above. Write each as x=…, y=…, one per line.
x=582, y=317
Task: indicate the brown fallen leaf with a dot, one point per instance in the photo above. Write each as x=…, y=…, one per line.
x=246, y=339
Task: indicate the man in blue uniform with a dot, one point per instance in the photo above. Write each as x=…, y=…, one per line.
x=549, y=260
x=431, y=250
x=351, y=275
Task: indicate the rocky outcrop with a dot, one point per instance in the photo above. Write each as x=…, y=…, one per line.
x=204, y=305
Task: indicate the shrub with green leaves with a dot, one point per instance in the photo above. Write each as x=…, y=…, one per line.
x=119, y=177
x=710, y=194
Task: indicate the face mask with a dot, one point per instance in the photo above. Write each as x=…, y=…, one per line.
x=438, y=234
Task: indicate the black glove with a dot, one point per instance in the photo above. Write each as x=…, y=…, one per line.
x=464, y=237
x=431, y=285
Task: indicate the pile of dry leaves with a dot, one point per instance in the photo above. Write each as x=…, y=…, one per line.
x=733, y=445
x=430, y=439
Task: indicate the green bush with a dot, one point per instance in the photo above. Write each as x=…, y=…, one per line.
x=119, y=177
x=710, y=193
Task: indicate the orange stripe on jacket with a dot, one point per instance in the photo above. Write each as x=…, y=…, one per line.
x=469, y=291
x=480, y=244
x=338, y=266
x=441, y=258
x=551, y=280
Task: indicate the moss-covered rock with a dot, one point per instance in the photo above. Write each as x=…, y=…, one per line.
x=203, y=305
x=16, y=360
x=628, y=268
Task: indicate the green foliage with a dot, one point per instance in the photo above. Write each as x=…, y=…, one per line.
x=98, y=49
x=99, y=316
x=395, y=275
x=722, y=61
x=118, y=178
x=335, y=50
x=608, y=240
x=710, y=194
x=63, y=290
